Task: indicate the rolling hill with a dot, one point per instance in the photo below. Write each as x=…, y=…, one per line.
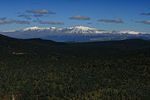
x=37, y=69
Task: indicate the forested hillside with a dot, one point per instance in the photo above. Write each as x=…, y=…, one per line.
x=38, y=69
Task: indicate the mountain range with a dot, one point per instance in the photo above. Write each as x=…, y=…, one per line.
x=75, y=34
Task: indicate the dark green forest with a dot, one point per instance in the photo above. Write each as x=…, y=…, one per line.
x=37, y=69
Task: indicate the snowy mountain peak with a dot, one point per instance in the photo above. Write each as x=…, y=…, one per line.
x=130, y=32
x=77, y=34
x=38, y=28
x=31, y=28
x=76, y=29
x=79, y=30
x=84, y=28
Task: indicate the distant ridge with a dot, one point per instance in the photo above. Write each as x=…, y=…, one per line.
x=3, y=37
x=42, y=46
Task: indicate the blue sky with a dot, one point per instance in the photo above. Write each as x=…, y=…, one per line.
x=100, y=14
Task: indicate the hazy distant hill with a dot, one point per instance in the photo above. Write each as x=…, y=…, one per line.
x=130, y=44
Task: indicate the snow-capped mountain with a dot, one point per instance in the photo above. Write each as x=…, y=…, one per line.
x=77, y=34
x=78, y=30
x=67, y=30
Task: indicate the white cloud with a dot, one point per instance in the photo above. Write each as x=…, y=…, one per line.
x=111, y=20
x=79, y=17
x=51, y=23
x=43, y=11
x=146, y=22
x=25, y=16
x=13, y=21
x=145, y=13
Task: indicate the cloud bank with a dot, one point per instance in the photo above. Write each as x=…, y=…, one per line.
x=79, y=17
x=51, y=23
x=38, y=15
x=43, y=11
x=111, y=21
x=13, y=21
x=3, y=18
x=146, y=22
x=25, y=16
x=145, y=13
